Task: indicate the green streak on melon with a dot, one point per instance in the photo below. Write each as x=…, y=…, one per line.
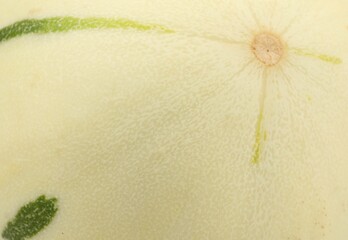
x=31, y=219
x=66, y=24
x=258, y=139
x=323, y=57
x=260, y=133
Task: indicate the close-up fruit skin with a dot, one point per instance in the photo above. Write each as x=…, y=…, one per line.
x=174, y=119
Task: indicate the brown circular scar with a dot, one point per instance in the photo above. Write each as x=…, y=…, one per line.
x=267, y=48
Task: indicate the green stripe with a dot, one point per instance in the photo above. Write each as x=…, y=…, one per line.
x=322, y=57
x=259, y=137
x=66, y=24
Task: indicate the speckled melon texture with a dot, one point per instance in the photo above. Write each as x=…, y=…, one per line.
x=159, y=135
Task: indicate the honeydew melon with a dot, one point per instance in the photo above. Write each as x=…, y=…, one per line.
x=174, y=119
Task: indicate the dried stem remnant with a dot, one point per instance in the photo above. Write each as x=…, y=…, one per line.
x=267, y=48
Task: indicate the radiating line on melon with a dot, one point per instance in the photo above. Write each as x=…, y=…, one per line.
x=66, y=24
x=323, y=57
x=260, y=134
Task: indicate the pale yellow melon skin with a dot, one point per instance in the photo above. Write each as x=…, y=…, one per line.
x=143, y=135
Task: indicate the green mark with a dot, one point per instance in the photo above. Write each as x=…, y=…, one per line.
x=66, y=24
x=31, y=219
x=323, y=57
x=258, y=140
x=261, y=134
